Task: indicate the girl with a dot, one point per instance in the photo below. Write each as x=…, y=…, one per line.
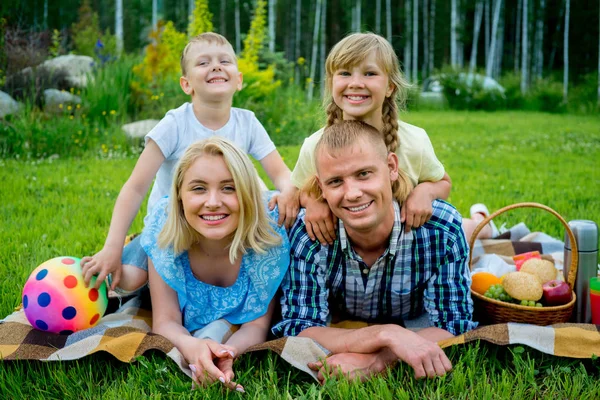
x=216, y=256
x=364, y=82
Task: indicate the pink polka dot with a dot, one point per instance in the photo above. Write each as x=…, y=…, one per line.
x=94, y=319
x=67, y=261
x=93, y=294
x=70, y=282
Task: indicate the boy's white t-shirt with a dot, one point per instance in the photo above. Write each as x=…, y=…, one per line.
x=179, y=128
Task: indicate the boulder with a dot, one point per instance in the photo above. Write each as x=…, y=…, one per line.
x=139, y=129
x=8, y=105
x=57, y=101
x=78, y=68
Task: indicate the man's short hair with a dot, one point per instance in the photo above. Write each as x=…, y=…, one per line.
x=347, y=133
x=206, y=37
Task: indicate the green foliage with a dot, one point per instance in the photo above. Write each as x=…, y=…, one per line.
x=86, y=33
x=464, y=92
x=546, y=95
x=55, y=49
x=201, y=19
x=583, y=97
x=257, y=35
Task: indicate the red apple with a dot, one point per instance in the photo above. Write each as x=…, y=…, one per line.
x=556, y=293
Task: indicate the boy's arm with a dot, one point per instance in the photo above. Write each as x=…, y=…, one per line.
x=417, y=209
x=108, y=260
x=287, y=200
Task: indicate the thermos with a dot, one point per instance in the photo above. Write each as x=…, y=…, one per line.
x=586, y=236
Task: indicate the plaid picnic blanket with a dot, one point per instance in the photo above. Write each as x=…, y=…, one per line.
x=125, y=332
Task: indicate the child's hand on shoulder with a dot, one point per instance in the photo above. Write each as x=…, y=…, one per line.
x=288, y=203
x=320, y=221
x=106, y=261
x=417, y=208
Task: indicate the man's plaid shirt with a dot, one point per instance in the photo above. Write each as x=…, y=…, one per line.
x=425, y=269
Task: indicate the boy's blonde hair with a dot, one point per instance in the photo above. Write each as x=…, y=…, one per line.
x=347, y=133
x=254, y=229
x=351, y=51
x=206, y=37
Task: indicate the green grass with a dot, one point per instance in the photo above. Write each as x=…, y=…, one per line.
x=62, y=206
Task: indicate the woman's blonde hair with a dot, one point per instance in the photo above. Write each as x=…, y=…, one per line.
x=347, y=133
x=351, y=51
x=254, y=230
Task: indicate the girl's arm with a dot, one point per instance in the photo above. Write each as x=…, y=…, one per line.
x=108, y=260
x=417, y=208
x=287, y=200
x=167, y=321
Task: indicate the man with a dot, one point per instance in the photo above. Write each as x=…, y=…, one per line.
x=375, y=271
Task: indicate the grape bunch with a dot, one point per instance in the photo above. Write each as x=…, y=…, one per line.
x=497, y=292
x=530, y=303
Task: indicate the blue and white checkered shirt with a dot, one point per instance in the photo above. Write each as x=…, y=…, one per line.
x=425, y=269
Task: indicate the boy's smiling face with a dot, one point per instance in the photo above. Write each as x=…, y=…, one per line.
x=211, y=74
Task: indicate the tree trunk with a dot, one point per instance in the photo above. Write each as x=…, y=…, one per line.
x=119, y=26
x=539, y=41
x=432, y=37
x=323, y=45
x=555, y=42
x=566, y=51
x=487, y=23
x=358, y=15
x=476, y=28
x=222, y=23
x=388, y=19
x=524, y=49
x=191, y=6
x=415, y=42
x=497, y=70
x=424, y=71
x=599, y=56
x=378, y=17
x=407, y=39
x=298, y=40
x=45, y=15
x=518, y=36
x=154, y=14
x=238, y=35
x=453, y=51
x=489, y=63
x=272, y=7
x=313, y=55
x=460, y=23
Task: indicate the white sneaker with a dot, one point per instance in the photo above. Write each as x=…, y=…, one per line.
x=480, y=208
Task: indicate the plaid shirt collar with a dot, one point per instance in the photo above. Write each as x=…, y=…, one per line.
x=396, y=232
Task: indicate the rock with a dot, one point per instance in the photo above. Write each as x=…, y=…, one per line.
x=8, y=105
x=139, y=129
x=78, y=68
x=56, y=101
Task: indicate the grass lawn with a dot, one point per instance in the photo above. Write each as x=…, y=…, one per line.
x=63, y=207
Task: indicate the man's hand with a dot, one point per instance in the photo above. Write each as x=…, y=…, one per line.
x=417, y=208
x=320, y=222
x=351, y=365
x=106, y=261
x=288, y=203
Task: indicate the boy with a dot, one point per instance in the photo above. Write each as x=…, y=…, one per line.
x=211, y=77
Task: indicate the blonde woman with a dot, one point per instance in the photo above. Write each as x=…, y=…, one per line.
x=215, y=253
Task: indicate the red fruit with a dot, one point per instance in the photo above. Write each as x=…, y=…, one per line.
x=556, y=293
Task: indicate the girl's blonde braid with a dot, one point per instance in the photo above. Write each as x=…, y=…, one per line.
x=334, y=114
x=390, y=124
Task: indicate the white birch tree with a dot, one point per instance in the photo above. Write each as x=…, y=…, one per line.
x=407, y=38
x=415, y=42
x=313, y=55
x=378, y=17
x=489, y=62
x=432, y=36
x=154, y=14
x=388, y=19
x=238, y=34
x=358, y=15
x=518, y=35
x=566, y=51
x=298, y=39
x=45, y=25
x=323, y=46
x=272, y=5
x=222, y=24
x=119, y=26
x=453, y=49
x=476, y=28
x=539, y=41
x=525, y=49
x=487, y=23
x=424, y=71
x=497, y=70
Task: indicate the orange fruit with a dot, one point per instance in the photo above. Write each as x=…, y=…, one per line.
x=481, y=281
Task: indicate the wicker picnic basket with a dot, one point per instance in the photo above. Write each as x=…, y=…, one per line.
x=491, y=311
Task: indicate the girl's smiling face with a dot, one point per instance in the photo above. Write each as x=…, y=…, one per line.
x=210, y=203
x=361, y=90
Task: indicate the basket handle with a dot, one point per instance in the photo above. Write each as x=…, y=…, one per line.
x=574, y=251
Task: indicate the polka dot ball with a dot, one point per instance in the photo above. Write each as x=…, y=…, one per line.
x=55, y=298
